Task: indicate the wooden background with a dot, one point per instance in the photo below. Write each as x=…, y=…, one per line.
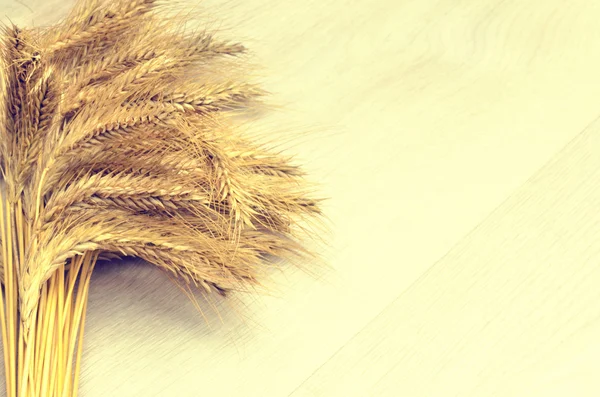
x=459, y=143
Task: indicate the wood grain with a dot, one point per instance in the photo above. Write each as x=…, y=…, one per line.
x=510, y=310
x=456, y=140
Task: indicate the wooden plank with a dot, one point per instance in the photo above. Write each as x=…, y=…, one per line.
x=512, y=310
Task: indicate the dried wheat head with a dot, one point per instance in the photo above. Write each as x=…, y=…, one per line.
x=119, y=135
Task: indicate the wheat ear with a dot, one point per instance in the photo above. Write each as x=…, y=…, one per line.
x=120, y=136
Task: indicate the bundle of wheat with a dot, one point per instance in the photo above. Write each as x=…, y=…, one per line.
x=119, y=138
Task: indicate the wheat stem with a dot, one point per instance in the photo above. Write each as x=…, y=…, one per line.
x=5, y=316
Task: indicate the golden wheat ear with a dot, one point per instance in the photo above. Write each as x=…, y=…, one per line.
x=119, y=136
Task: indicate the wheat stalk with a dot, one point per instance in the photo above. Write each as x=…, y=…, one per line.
x=119, y=136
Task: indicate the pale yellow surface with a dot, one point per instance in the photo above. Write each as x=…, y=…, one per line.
x=458, y=143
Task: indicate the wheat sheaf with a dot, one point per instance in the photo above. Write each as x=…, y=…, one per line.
x=120, y=136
